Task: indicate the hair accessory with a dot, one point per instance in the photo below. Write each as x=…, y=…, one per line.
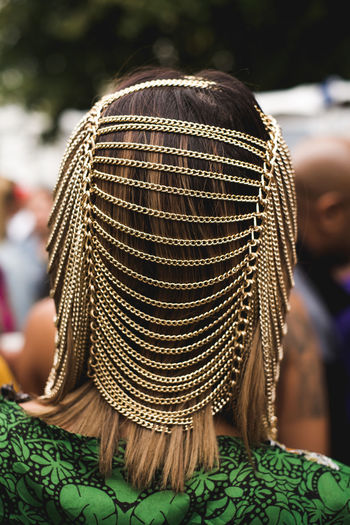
x=158, y=361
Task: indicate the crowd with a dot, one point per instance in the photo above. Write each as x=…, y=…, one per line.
x=23, y=259
x=23, y=270
x=126, y=259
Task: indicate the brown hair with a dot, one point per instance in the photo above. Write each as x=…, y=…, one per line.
x=78, y=405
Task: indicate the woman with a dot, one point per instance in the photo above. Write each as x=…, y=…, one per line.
x=171, y=257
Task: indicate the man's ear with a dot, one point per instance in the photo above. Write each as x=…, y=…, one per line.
x=330, y=212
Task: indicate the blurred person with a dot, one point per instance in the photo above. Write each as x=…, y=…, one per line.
x=10, y=200
x=30, y=354
x=171, y=261
x=22, y=254
x=302, y=403
x=7, y=378
x=6, y=316
x=322, y=166
x=31, y=360
x=39, y=205
x=9, y=204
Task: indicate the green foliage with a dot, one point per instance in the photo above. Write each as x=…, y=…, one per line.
x=56, y=54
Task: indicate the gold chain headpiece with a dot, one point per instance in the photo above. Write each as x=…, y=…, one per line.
x=156, y=361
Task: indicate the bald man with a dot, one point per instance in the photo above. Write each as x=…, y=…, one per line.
x=322, y=167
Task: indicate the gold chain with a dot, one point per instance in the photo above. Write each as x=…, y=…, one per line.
x=161, y=214
x=193, y=285
x=170, y=189
x=180, y=170
x=163, y=304
x=96, y=306
x=136, y=122
x=171, y=262
x=171, y=240
x=187, y=125
x=178, y=152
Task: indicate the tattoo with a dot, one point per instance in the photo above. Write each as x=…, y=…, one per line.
x=302, y=354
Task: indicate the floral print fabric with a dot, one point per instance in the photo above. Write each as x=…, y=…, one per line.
x=48, y=475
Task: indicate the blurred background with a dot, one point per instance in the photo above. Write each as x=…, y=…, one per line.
x=57, y=57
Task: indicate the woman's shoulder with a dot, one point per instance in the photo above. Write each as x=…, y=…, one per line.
x=273, y=460
x=13, y=423
x=15, y=410
x=278, y=485
x=276, y=454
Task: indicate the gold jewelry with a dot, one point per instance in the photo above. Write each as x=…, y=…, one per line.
x=111, y=275
x=136, y=122
x=168, y=189
x=170, y=240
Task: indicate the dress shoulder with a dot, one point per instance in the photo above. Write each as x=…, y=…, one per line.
x=278, y=486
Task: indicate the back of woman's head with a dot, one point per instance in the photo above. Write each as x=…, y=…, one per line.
x=171, y=256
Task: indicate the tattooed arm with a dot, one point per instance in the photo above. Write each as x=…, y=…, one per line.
x=301, y=400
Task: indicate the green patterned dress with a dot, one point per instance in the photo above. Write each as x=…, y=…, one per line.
x=48, y=475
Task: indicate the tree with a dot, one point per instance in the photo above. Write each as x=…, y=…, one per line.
x=57, y=54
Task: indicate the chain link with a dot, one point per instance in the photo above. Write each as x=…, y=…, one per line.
x=170, y=189
x=180, y=153
x=180, y=170
x=85, y=273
